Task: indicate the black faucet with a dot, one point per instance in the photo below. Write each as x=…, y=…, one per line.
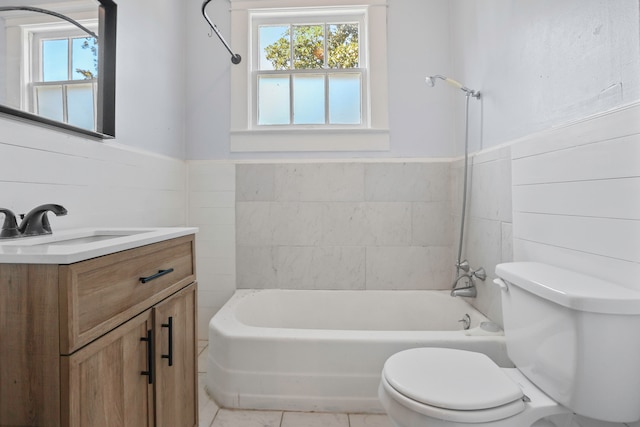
x=10, y=226
x=36, y=223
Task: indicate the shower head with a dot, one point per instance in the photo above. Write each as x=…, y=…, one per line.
x=431, y=81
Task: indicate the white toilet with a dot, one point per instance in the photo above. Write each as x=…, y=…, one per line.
x=575, y=342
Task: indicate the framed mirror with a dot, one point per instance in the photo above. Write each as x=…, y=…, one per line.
x=58, y=64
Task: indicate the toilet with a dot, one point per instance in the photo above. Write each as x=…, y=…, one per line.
x=574, y=340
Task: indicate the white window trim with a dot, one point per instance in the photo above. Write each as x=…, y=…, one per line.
x=312, y=16
x=246, y=138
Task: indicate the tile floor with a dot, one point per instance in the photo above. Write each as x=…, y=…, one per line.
x=212, y=416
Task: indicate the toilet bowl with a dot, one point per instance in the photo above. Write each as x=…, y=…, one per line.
x=440, y=387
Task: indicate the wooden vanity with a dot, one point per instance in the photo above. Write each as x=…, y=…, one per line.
x=107, y=341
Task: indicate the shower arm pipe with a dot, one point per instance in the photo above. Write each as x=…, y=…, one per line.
x=469, y=93
x=454, y=83
x=235, y=58
x=52, y=13
x=464, y=185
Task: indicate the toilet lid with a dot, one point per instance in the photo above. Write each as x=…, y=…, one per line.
x=450, y=379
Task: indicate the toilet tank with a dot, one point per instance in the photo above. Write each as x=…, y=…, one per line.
x=575, y=336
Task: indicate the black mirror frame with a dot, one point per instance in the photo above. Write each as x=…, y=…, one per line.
x=106, y=108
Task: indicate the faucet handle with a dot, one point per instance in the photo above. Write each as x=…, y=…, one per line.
x=480, y=273
x=10, y=226
x=36, y=223
x=463, y=265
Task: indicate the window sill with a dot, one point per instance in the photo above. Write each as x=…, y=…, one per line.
x=279, y=140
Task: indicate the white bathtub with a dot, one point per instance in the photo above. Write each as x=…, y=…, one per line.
x=324, y=350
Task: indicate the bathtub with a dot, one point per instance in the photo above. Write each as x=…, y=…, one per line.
x=315, y=350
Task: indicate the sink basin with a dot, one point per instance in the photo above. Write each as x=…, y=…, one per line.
x=97, y=237
x=81, y=240
x=77, y=237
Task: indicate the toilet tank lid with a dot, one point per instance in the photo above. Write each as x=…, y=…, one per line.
x=570, y=289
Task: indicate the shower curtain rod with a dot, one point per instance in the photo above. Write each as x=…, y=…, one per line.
x=52, y=13
x=235, y=58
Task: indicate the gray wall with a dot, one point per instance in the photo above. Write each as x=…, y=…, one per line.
x=542, y=63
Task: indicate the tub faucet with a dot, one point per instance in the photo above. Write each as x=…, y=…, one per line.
x=10, y=226
x=466, y=291
x=470, y=289
x=36, y=223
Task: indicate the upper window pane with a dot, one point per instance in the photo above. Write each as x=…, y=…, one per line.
x=55, y=60
x=84, y=58
x=308, y=46
x=275, y=47
x=343, y=46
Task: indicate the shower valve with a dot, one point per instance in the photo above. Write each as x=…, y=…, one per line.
x=480, y=273
x=464, y=266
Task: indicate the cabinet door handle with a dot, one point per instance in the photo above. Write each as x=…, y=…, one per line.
x=169, y=326
x=149, y=340
x=160, y=273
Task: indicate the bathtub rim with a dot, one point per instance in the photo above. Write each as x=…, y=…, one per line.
x=228, y=325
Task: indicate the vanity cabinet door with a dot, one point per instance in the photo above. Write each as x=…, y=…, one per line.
x=176, y=379
x=104, y=384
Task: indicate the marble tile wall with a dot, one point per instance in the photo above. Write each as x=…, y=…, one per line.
x=488, y=226
x=350, y=225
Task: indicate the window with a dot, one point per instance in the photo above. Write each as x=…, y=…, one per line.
x=307, y=71
x=64, y=73
x=312, y=79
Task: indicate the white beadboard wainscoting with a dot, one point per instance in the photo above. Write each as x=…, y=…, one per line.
x=99, y=183
x=576, y=196
x=211, y=208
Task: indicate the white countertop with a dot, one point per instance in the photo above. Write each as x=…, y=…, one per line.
x=69, y=246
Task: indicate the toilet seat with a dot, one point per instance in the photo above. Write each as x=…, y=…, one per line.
x=450, y=384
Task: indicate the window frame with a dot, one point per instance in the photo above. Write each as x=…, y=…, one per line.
x=58, y=31
x=313, y=16
x=371, y=135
